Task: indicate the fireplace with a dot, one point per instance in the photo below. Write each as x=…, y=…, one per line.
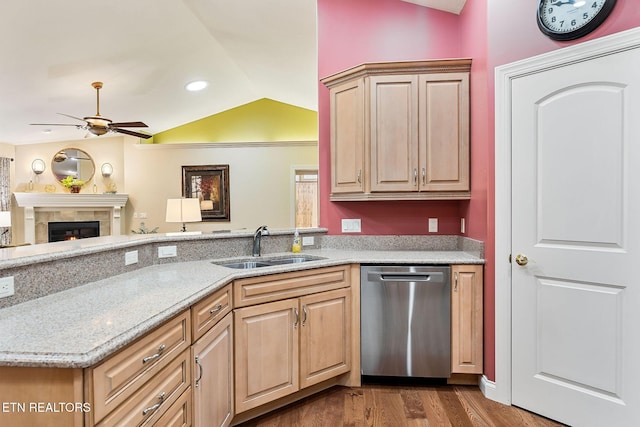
x=39, y=209
x=60, y=231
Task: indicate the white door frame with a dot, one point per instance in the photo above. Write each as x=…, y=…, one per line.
x=500, y=390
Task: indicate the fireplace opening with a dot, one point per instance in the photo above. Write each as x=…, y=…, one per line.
x=60, y=231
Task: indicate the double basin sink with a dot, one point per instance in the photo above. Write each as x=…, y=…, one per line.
x=253, y=263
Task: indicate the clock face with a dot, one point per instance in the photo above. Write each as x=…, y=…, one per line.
x=571, y=19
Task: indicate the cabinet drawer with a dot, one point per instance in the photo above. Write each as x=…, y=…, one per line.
x=148, y=404
x=256, y=290
x=117, y=378
x=209, y=311
x=179, y=414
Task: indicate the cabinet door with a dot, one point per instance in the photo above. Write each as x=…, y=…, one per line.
x=444, y=132
x=213, y=376
x=393, y=131
x=466, y=319
x=266, y=358
x=325, y=336
x=347, y=137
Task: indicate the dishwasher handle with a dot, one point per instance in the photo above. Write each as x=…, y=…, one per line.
x=380, y=276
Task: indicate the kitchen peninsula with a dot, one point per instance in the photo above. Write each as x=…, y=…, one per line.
x=78, y=307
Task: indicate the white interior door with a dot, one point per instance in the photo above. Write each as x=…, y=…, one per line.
x=575, y=211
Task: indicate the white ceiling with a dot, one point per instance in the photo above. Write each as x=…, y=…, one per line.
x=145, y=51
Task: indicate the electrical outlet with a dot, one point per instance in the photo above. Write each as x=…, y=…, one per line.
x=351, y=226
x=308, y=241
x=167, y=251
x=463, y=226
x=6, y=287
x=433, y=225
x=130, y=257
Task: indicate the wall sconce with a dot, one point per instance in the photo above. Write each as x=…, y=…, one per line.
x=183, y=210
x=38, y=166
x=106, y=170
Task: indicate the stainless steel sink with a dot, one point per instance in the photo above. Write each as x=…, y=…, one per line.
x=292, y=260
x=247, y=264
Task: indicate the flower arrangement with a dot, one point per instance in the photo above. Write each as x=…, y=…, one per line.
x=144, y=230
x=70, y=181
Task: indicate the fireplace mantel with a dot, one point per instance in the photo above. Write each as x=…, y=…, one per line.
x=30, y=202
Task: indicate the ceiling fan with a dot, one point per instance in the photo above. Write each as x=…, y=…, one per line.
x=99, y=125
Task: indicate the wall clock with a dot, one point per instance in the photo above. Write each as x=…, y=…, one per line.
x=572, y=19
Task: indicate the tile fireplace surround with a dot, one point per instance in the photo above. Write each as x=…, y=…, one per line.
x=41, y=208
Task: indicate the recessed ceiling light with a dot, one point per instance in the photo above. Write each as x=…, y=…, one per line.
x=47, y=131
x=197, y=85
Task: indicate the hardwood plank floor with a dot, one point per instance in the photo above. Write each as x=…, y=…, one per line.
x=397, y=406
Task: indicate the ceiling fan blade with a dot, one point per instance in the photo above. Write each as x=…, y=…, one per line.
x=73, y=117
x=132, y=133
x=51, y=124
x=129, y=125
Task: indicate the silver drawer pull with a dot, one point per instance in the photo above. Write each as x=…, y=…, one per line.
x=216, y=309
x=154, y=356
x=156, y=406
x=201, y=370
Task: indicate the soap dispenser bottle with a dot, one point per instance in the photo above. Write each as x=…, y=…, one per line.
x=297, y=245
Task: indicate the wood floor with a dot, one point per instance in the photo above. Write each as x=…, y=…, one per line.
x=395, y=406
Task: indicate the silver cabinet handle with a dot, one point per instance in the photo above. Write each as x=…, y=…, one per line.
x=359, y=176
x=295, y=311
x=215, y=309
x=201, y=371
x=155, y=356
x=156, y=406
x=455, y=282
x=424, y=176
x=415, y=176
x=304, y=318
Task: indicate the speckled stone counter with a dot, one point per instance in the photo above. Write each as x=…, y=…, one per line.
x=81, y=326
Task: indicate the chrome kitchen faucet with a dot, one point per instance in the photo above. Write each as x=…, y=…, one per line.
x=257, y=237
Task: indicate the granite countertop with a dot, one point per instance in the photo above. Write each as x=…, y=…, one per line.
x=79, y=327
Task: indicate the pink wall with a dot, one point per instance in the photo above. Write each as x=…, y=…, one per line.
x=492, y=33
x=351, y=32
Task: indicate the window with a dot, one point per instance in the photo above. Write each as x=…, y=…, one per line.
x=306, y=198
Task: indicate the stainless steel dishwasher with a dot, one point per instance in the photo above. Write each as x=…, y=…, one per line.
x=405, y=321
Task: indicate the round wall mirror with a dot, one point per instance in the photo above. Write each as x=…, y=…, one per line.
x=73, y=162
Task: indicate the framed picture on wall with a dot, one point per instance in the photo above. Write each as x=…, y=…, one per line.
x=210, y=185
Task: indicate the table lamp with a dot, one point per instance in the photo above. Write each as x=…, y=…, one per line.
x=183, y=210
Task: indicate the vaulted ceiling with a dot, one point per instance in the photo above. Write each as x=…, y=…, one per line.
x=145, y=51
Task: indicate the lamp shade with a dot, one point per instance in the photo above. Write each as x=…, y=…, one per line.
x=183, y=210
x=5, y=219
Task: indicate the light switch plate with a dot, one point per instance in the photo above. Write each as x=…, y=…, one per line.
x=433, y=225
x=308, y=241
x=130, y=257
x=351, y=226
x=6, y=287
x=167, y=251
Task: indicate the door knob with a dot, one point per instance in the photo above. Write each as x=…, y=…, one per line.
x=522, y=259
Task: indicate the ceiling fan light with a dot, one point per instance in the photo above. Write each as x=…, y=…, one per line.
x=196, y=85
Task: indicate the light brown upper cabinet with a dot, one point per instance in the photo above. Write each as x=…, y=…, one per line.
x=400, y=130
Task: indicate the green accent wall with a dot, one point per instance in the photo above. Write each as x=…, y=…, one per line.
x=264, y=120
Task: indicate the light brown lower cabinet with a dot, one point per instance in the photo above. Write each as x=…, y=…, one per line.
x=283, y=346
x=212, y=386
x=466, y=319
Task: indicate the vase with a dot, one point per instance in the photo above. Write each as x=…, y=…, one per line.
x=75, y=188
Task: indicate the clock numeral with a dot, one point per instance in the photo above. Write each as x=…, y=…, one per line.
x=550, y=10
x=585, y=15
x=573, y=22
x=561, y=24
x=553, y=19
x=595, y=5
